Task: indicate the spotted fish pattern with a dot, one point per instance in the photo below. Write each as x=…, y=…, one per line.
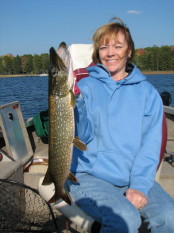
x=61, y=128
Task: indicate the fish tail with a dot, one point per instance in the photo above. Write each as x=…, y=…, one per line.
x=59, y=195
x=65, y=197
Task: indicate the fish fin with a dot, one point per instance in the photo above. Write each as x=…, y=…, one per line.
x=53, y=199
x=47, y=179
x=73, y=99
x=79, y=144
x=72, y=177
x=63, y=195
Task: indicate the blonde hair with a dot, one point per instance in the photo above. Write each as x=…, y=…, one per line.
x=108, y=31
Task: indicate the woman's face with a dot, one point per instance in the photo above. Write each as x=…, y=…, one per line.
x=113, y=55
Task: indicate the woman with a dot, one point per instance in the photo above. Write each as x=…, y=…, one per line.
x=119, y=116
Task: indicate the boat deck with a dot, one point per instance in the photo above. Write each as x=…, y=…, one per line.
x=31, y=168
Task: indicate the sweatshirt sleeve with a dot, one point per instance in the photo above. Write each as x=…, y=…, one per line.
x=146, y=161
x=83, y=124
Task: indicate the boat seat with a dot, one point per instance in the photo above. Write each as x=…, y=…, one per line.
x=73, y=212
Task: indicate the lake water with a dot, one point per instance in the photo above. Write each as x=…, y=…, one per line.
x=32, y=92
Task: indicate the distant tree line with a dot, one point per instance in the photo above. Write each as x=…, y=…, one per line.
x=26, y=64
x=155, y=58
x=147, y=59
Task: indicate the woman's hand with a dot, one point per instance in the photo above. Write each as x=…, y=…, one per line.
x=137, y=198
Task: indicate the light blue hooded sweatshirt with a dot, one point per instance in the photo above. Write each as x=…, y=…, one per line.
x=121, y=123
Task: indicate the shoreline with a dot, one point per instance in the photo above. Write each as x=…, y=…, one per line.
x=158, y=72
x=21, y=75
x=40, y=75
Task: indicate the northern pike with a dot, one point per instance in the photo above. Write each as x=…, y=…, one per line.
x=61, y=126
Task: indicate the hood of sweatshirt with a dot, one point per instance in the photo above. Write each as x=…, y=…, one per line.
x=101, y=73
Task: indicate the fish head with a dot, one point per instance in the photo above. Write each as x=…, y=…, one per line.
x=58, y=73
x=64, y=52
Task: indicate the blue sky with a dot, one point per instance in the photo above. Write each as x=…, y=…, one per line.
x=33, y=26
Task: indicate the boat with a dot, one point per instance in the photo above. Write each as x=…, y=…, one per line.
x=24, y=157
x=23, y=163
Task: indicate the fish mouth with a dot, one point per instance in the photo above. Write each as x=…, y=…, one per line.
x=53, y=56
x=57, y=75
x=56, y=62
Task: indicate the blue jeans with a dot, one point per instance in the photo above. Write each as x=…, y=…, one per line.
x=108, y=205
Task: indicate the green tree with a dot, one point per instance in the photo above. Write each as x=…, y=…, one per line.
x=24, y=64
x=164, y=58
x=16, y=65
x=155, y=58
x=45, y=62
x=172, y=58
x=27, y=63
x=2, y=70
x=7, y=64
x=37, y=64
